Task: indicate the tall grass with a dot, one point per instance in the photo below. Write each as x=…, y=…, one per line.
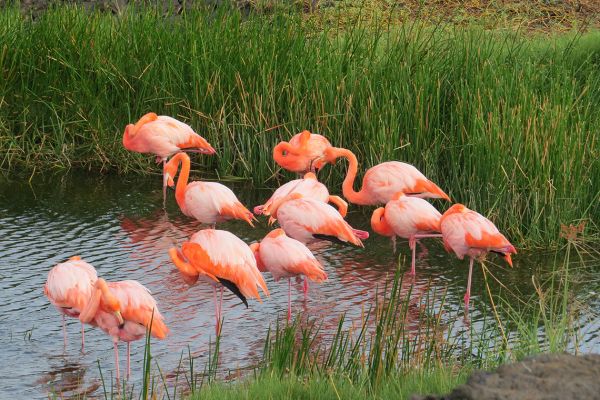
x=397, y=348
x=507, y=124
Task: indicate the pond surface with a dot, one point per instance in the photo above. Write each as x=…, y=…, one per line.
x=118, y=225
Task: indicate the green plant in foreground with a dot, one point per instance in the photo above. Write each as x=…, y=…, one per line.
x=506, y=124
x=403, y=344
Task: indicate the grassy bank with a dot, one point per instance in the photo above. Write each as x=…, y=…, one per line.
x=399, y=346
x=505, y=123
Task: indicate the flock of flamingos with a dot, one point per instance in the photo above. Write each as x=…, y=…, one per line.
x=126, y=309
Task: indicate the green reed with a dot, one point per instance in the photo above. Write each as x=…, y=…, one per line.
x=505, y=123
x=402, y=344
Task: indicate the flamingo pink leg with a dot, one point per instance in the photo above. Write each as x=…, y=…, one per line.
x=289, y=313
x=64, y=331
x=217, y=317
x=221, y=309
x=468, y=294
x=305, y=287
x=117, y=362
x=82, y=337
x=164, y=161
x=128, y=365
x=412, y=243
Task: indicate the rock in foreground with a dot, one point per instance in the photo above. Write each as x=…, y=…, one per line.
x=546, y=376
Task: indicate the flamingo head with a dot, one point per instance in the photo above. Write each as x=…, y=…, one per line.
x=108, y=300
x=289, y=157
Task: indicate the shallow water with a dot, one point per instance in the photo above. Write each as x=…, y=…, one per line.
x=118, y=225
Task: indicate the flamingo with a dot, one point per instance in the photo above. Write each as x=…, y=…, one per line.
x=69, y=287
x=301, y=154
x=466, y=232
x=410, y=218
x=383, y=181
x=163, y=136
x=308, y=220
x=124, y=310
x=220, y=257
x=285, y=257
x=308, y=186
x=208, y=202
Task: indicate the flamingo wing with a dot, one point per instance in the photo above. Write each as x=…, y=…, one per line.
x=225, y=256
x=285, y=257
x=306, y=215
x=166, y=136
x=70, y=284
x=384, y=180
x=210, y=201
x=138, y=305
x=410, y=215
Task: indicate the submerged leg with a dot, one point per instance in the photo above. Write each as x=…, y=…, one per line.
x=128, y=364
x=164, y=161
x=82, y=337
x=64, y=331
x=305, y=287
x=117, y=363
x=217, y=319
x=412, y=243
x=289, y=314
x=468, y=294
x=221, y=309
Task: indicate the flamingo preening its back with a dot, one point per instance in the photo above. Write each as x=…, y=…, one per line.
x=308, y=186
x=308, y=220
x=468, y=233
x=69, y=288
x=124, y=310
x=163, y=136
x=302, y=153
x=383, y=181
x=220, y=257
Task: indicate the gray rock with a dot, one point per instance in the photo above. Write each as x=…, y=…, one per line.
x=546, y=376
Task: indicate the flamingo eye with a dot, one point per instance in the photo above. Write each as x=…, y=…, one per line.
x=284, y=153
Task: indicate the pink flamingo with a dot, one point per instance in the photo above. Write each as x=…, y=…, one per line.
x=383, y=181
x=124, y=310
x=163, y=136
x=308, y=186
x=302, y=153
x=285, y=257
x=69, y=287
x=208, y=202
x=410, y=218
x=220, y=257
x=466, y=232
x=308, y=220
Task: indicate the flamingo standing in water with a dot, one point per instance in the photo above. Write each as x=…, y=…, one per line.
x=124, y=310
x=466, y=232
x=383, y=181
x=308, y=186
x=208, y=202
x=163, y=136
x=410, y=218
x=285, y=257
x=308, y=220
x=69, y=288
x=220, y=257
x=302, y=153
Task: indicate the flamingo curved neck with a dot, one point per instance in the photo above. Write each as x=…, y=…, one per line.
x=182, y=180
x=350, y=194
x=380, y=224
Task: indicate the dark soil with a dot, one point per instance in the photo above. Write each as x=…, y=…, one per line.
x=546, y=376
